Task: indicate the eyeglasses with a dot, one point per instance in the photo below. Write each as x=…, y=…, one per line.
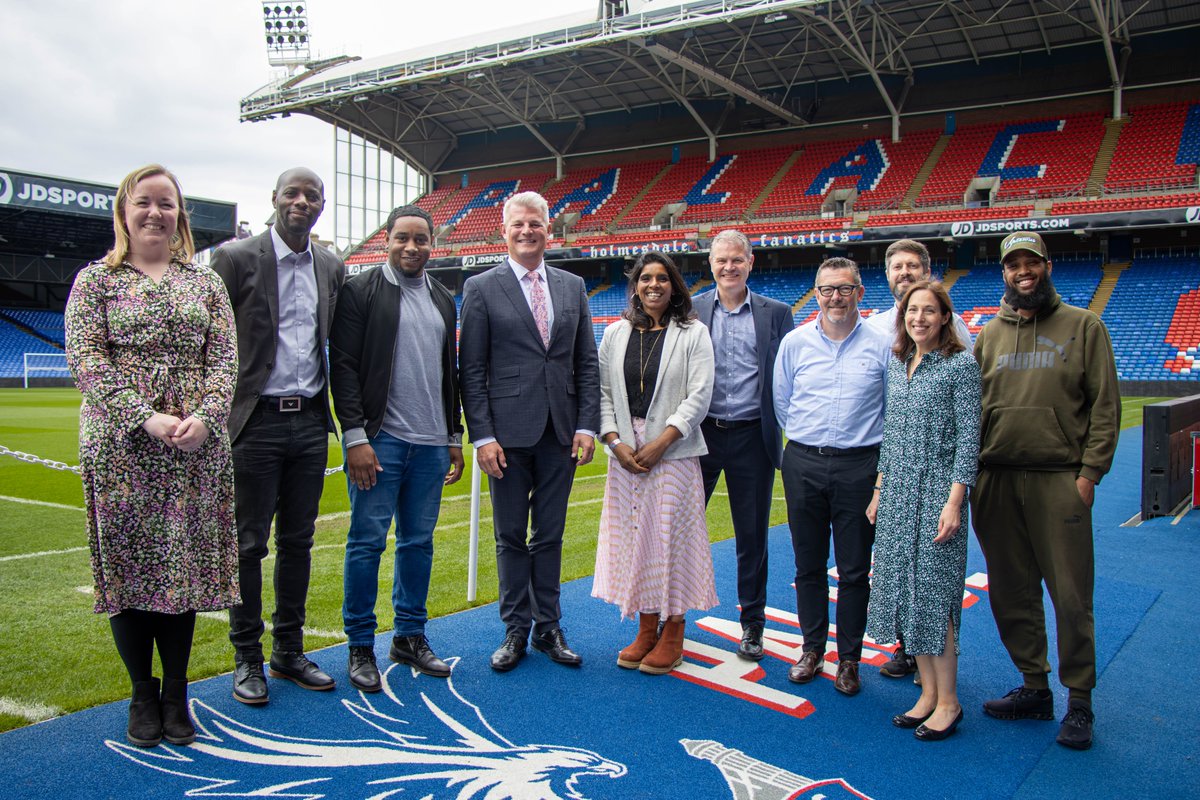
x=844, y=290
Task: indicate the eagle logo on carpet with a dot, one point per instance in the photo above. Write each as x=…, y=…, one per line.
x=439, y=745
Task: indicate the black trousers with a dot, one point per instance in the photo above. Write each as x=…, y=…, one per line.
x=824, y=492
x=279, y=471
x=529, y=512
x=750, y=480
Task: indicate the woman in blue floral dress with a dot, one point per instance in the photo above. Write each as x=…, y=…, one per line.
x=151, y=344
x=926, y=464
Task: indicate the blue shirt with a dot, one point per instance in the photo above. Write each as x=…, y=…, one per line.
x=735, y=349
x=831, y=394
x=298, y=355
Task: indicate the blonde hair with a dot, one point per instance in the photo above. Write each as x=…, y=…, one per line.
x=530, y=200
x=182, y=245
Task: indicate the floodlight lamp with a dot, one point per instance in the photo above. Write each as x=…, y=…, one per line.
x=780, y=17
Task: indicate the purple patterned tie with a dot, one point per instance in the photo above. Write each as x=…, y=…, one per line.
x=537, y=298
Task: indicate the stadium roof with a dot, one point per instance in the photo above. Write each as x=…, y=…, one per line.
x=49, y=226
x=732, y=65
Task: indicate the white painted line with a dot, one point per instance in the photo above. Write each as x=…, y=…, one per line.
x=20, y=556
x=26, y=501
x=34, y=712
x=223, y=617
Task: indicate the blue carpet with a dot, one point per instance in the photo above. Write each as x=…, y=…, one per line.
x=719, y=728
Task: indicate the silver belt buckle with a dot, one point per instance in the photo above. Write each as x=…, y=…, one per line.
x=821, y=452
x=288, y=405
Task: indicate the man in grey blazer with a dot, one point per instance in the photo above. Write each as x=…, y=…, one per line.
x=743, y=438
x=530, y=383
x=283, y=291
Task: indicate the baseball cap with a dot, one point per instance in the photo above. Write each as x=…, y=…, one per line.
x=1023, y=240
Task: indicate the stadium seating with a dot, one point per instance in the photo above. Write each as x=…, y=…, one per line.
x=1159, y=148
x=906, y=158
x=924, y=217
x=1154, y=319
x=1113, y=204
x=737, y=186
x=1061, y=159
x=479, y=218
x=15, y=343
x=47, y=323
x=604, y=192
x=675, y=185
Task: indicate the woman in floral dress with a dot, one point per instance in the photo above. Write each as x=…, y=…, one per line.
x=151, y=344
x=656, y=377
x=926, y=463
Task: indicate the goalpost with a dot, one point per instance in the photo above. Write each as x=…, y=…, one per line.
x=55, y=363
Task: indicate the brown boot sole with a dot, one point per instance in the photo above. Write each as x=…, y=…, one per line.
x=651, y=670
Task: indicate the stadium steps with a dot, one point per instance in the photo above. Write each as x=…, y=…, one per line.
x=799, y=304
x=21, y=326
x=1104, y=156
x=776, y=179
x=700, y=285
x=951, y=277
x=910, y=197
x=599, y=289
x=637, y=198
x=1112, y=273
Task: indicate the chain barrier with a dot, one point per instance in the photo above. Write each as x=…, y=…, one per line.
x=29, y=458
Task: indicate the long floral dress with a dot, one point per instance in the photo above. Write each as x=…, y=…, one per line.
x=160, y=521
x=930, y=440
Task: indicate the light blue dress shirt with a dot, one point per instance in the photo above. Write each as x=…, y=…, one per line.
x=298, y=354
x=831, y=394
x=735, y=348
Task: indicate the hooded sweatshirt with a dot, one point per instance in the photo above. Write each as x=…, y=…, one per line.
x=1051, y=401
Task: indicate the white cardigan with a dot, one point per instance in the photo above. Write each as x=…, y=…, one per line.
x=681, y=393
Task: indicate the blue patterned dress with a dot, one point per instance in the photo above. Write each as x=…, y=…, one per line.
x=160, y=521
x=930, y=440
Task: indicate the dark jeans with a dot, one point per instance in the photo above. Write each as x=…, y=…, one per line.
x=750, y=480
x=825, y=491
x=529, y=511
x=409, y=490
x=279, y=471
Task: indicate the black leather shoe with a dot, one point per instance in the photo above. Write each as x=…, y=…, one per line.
x=905, y=721
x=751, y=647
x=554, y=644
x=295, y=666
x=1076, y=730
x=927, y=734
x=509, y=653
x=847, y=681
x=364, y=675
x=415, y=651
x=805, y=669
x=249, y=683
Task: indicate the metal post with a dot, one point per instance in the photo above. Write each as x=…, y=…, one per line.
x=473, y=540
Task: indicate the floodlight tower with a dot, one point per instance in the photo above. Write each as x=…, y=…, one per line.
x=287, y=34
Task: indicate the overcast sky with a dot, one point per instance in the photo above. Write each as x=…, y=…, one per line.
x=92, y=90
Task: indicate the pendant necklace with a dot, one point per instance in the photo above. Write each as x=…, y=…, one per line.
x=645, y=361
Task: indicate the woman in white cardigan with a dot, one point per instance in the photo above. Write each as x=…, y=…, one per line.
x=656, y=376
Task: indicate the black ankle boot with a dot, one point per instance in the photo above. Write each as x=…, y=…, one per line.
x=177, y=726
x=145, y=714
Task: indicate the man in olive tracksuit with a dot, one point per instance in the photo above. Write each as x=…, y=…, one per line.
x=1051, y=416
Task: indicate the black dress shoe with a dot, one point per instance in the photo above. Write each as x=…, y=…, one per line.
x=415, y=651
x=927, y=734
x=509, y=653
x=364, y=674
x=751, y=647
x=295, y=666
x=554, y=644
x=905, y=721
x=805, y=669
x=249, y=683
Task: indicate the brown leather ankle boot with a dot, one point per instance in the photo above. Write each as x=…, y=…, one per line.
x=668, y=653
x=647, y=636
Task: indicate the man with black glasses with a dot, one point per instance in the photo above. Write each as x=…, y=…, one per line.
x=830, y=377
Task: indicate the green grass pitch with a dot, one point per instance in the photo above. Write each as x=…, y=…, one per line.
x=56, y=656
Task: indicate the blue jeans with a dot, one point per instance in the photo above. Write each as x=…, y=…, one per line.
x=410, y=490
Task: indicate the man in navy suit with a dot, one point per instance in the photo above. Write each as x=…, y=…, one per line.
x=530, y=383
x=284, y=290
x=743, y=438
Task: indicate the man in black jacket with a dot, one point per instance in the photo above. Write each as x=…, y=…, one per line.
x=395, y=392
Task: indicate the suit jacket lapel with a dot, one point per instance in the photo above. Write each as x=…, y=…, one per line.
x=322, y=295
x=516, y=296
x=269, y=267
x=705, y=307
x=762, y=337
x=558, y=298
x=670, y=340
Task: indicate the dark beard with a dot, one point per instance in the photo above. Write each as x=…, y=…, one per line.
x=1041, y=296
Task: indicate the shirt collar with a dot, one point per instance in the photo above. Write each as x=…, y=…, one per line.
x=744, y=304
x=519, y=271
x=282, y=250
